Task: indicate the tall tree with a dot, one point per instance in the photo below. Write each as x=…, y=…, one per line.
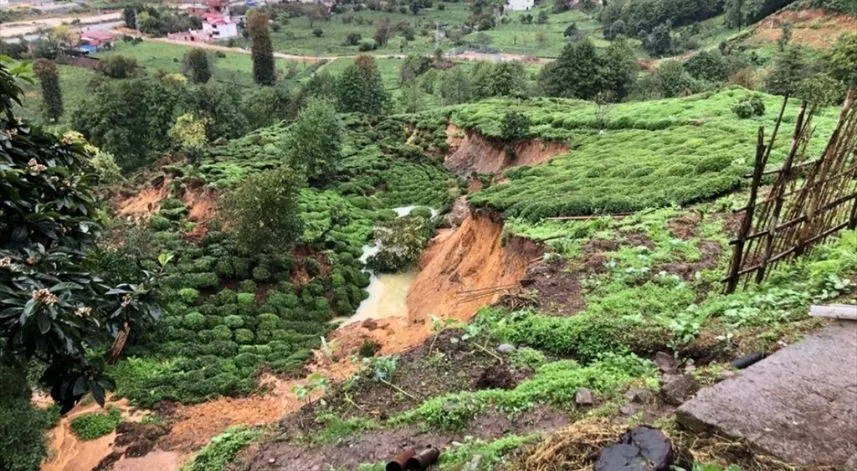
x=360, y=88
x=264, y=211
x=316, y=140
x=790, y=68
x=842, y=61
x=262, y=49
x=49, y=78
x=455, y=86
x=618, y=66
x=197, y=65
x=576, y=72
x=735, y=13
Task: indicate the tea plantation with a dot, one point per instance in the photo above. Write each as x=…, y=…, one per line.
x=626, y=157
x=230, y=313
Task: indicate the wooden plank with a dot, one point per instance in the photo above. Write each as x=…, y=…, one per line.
x=835, y=311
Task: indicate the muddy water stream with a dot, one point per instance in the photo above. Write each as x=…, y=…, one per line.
x=387, y=291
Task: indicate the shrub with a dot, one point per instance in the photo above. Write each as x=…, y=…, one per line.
x=194, y=320
x=244, y=336
x=514, y=126
x=233, y=322
x=95, y=424
x=353, y=39
x=159, y=223
x=261, y=274
x=222, y=449
x=202, y=280
x=225, y=296
x=713, y=164
x=313, y=268
x=188, y=295
x=221, y=332
x=246, y=299
x=749, y=107
x=247, y=286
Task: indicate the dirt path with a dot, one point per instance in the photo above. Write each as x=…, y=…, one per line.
x=11, y=30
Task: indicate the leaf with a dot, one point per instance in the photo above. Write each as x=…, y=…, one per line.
x=65, y=286
x=80, y=386
x=29, y=309
x=116, y=291
x=97, y=392
x=44, y=324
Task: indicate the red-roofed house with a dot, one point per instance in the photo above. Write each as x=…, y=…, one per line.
x=219, y=27
x=97, y=39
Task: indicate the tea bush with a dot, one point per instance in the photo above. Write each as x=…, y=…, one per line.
x=95, y=424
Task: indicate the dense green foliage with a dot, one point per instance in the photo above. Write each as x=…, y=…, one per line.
x=22, y=425
x=53, y=308
x=316, y=140
x=262, y=50
x=222, y=450
x=583, y=72
x=263, y=210
x=46, y=71
x=360, y=89
x=197, y=65
x=93, y=425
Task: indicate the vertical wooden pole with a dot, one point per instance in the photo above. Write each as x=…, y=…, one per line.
x=779, y=189
x=747, y=222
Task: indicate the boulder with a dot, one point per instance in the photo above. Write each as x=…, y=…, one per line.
x=678, y=389
x=666, y=363
x=505, y=348
x=639, y=449
x=584, y=397
x=639, y=396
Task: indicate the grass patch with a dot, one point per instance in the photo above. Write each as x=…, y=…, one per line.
x=222, y=449
x=95, y=424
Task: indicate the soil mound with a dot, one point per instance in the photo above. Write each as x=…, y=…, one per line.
x=814, y=27
x=476, y=153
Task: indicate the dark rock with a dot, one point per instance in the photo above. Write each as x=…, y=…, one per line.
x=797, y=404
x=639, y=396
x=678, y=389
x=639, y=449
x=666, y=363
x=505, y=348
x=584, y=397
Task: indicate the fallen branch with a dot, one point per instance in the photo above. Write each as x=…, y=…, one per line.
x=398, y=389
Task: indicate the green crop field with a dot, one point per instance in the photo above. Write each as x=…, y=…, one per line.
x=235, y=67
x=649, y=154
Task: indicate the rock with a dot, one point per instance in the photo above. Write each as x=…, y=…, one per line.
x=851, y=464
x=628, y=409
x=473, y=465
x=583, y=397
x=505, y=348
x=457, y=214
x=666, y=363
x=272, y=460
x=797, y=404
x=496, y=377
x=639, y=396
x=639, y=449
x=678, y=389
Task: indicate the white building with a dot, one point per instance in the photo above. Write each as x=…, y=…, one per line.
x=219, y=27
x=519, y=5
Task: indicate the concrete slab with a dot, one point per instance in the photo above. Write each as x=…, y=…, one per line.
x=799, y=404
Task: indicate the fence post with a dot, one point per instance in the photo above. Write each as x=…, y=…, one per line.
x=780, y=188
x=747, y=222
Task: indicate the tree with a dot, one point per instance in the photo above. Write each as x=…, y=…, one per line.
x=265, y=106
x=617, y=28
x=188, y=133
x=790, y=67
x=52, y=309
x=618, y=67
x=129, y=16
x=128, y=118
x=261, y=49
x=735, y=13
x=49, y=79
x=707, y=65
x=514, y=126
x=785, y=36
x=455, y=86
x=219, y=106
x=842, y=61
x=119, y=67
x=542, y=17
x=263, y=211
x=316, y=140
x=197, y=65
x=360, y=89
x=659, y=41
x=572, y=33
x=820, y=89
x=576, y=72
x=382, y=32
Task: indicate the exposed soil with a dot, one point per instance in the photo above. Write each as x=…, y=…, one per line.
x=558, y=287
x=684, y=227
x=815, y=27
x=711, y=252
x=144, y=202
x=476, y=153
x=202, y=209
